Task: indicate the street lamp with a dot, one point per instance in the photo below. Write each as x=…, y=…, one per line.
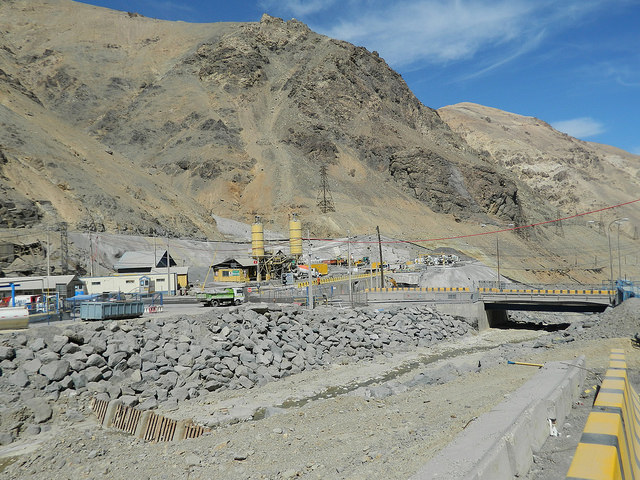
x=618, y=222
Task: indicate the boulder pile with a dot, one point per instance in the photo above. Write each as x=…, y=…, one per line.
x=152, y=361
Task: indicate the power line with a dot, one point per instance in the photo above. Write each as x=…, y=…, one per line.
x=492, y=232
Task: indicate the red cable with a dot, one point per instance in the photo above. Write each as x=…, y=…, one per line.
x=484, y=233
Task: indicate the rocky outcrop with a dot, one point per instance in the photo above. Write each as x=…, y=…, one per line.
x=448, y=188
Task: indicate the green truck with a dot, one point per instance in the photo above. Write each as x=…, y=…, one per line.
x=214, y=297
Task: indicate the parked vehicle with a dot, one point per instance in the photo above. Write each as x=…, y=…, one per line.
x=302, y=271
x=214, y=297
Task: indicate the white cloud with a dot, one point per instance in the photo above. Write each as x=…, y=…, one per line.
x=582, y=127
x=169, y=6
x=298, y=8
x=434, y=30
x=409, y=32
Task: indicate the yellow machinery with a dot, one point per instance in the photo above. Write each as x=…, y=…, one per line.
x=273, y=264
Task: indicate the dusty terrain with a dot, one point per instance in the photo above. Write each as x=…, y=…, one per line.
x=381, y=418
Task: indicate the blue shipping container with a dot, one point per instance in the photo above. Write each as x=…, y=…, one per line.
x=110, y=310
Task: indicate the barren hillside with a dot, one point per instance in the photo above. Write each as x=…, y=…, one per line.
x=114, y=122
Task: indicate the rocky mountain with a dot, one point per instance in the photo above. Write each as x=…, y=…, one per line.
x=571, y=174
x=113, y=122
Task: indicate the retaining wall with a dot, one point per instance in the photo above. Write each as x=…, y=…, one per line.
x=500, y=444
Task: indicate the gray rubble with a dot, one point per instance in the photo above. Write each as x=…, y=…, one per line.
x=153, y=362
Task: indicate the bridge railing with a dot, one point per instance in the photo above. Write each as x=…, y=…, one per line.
x=488, y=284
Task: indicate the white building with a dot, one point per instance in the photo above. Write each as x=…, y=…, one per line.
x=141, y=272
x=64, y=285
x=143, y=283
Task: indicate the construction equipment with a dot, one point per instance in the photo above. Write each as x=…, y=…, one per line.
x=213, y=297
x=302, y=271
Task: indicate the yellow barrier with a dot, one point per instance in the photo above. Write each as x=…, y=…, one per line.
x=344, y=278
x=418, y=289
x=322, y=281
x=610, y=444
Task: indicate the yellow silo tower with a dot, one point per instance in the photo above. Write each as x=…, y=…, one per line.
x=295, y=236
x=257, y=239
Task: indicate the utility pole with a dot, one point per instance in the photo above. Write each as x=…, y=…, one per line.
x=168, y=270
x=349, y=263
x=64, y=248
x=310, y=276
x=619, y=263
x=46, y=299
x=608, y=231
x=48, y=260
x=381, y=263
x=91, y=252
x=498, y=254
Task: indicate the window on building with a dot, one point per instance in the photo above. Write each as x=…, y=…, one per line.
x=130, y=281
x=95, y=283
x=160, y=280
x=225, y=273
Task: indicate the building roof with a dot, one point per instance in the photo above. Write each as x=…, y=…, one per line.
x=176, y=270
x=143, y=260
x=36, y=283
x=234, y=262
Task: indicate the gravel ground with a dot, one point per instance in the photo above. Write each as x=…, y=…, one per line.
x=379, y=418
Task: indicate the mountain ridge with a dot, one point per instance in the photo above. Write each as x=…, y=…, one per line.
x=135, y=125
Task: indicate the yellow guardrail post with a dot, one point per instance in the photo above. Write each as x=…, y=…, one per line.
x=609, y=447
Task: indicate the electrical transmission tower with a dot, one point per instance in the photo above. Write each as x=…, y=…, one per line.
x=325, y=202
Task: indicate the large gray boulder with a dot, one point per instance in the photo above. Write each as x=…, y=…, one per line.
x=95, y=360
x=32, y=367
x=7, y=353
x=56, y=370
x=42, y=411
x=19, y=378
x=58, y=341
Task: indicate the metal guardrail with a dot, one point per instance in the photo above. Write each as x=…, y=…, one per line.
x=324, y=293
x=554, y=291
x=541, y=286
x=328, y=280
x=419, y=289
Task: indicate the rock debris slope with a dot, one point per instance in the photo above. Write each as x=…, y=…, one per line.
x=161, y=363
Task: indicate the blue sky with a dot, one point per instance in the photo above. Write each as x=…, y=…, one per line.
x=572, y=63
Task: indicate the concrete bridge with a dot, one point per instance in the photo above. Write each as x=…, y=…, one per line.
x=489, y=306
